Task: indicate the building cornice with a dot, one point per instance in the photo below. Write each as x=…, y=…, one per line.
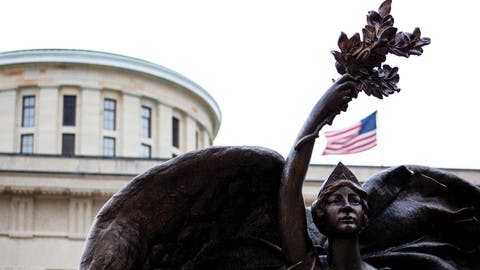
x=76, y=165
x=57, y=191
x=112, y=60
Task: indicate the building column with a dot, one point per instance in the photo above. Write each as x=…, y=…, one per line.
x=164, y=141
x=21, y=217
x=7, y=128
x=47, y=135
x=90, y=125
x=189, y=135
x=130, y=126
x=80, y=218
x=206, y=139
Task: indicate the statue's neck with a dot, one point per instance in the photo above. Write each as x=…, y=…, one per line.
x=344, y=254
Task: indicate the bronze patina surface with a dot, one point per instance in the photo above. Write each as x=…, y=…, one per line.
x=242, y=207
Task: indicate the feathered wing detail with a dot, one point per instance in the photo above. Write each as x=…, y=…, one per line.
x=422, y=218
x=213, y=207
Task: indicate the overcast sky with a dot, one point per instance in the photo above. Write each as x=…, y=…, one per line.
x=267, y=62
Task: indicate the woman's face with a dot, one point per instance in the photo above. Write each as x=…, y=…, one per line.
x=344, y=212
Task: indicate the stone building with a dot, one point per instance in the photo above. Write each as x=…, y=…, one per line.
x=76, y=126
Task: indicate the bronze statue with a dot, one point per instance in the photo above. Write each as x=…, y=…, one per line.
x=340, y=213
x=242, y=207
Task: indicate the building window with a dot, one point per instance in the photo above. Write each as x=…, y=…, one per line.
x=175, y=132
x=26, y=145
x=68, y=144
x=110, y=107
x=146, y=121
x=146, y=150
x=108, y=146
x=28, y=111
x=69, y=108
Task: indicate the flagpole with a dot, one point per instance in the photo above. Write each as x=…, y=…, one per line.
x=381, y=156
x=379, y=143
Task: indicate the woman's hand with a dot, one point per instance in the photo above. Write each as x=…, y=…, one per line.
x=333, y=101
x=339, y=94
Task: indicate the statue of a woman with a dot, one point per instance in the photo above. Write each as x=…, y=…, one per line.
x=242, y=208
x=340, y=213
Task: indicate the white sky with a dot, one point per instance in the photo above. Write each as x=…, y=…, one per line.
x=267, y=62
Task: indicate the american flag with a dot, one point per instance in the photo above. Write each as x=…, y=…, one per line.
x=353, y=139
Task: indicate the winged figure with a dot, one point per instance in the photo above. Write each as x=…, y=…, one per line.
x=242, y=207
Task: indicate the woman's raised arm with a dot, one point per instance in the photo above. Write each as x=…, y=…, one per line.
x=296, y=244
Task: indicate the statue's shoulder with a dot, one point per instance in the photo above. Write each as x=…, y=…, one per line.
x=322, y=262
x=366, y=266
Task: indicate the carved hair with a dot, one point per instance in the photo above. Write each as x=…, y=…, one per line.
x=318, y=206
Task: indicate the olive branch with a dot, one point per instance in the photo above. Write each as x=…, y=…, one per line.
x=363, y=58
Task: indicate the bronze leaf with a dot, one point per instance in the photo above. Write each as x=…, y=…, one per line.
x=363, y=58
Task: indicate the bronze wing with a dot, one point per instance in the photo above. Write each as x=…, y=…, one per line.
x=422, y=218
x=210, y=209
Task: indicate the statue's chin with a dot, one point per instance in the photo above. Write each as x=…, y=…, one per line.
x=345, y=231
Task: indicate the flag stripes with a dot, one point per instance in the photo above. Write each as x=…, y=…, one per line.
x=353, y=139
